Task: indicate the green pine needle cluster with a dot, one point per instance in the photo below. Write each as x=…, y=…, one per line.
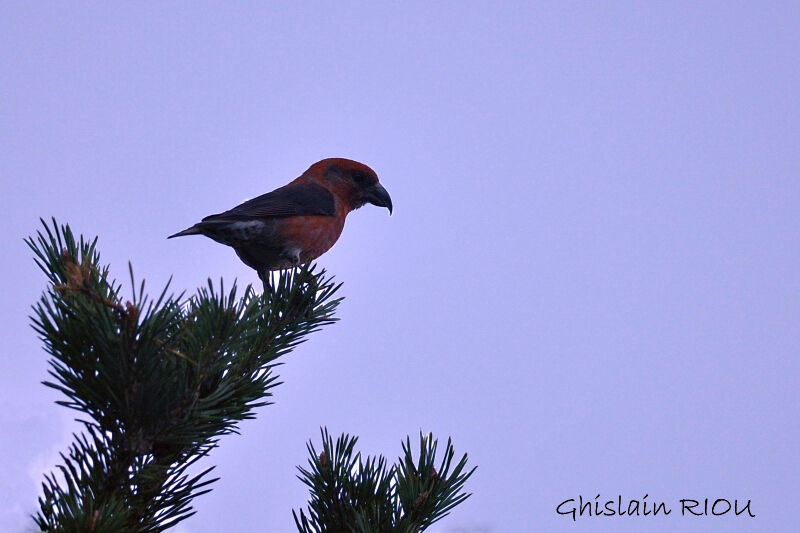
x=157, y=382
x=363, y=495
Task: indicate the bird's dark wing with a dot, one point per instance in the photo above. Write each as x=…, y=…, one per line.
x=294, y=199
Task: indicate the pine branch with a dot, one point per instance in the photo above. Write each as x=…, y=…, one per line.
x=349, y=494
x=157, y=382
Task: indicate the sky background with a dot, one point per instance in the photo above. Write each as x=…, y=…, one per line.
x=590, y=280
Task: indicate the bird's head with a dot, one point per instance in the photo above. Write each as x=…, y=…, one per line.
x=354, y=183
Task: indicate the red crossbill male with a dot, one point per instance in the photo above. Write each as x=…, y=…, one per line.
x=298, y=222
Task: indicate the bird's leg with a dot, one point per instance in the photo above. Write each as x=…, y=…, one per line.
x=263, y=273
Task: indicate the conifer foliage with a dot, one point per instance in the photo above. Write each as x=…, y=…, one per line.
x=352, y=494
x=158, y=381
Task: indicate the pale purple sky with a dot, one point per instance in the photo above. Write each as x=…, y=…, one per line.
x=591, y=280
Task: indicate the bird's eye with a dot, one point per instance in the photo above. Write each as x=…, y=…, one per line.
x=362, y=179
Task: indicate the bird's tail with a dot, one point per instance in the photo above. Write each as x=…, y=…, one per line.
x=194, y=230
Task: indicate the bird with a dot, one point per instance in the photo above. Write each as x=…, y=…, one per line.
x=298, y=222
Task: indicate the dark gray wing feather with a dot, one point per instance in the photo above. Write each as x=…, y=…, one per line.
x=294, y=199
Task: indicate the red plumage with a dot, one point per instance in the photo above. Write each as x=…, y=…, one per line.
x=298, y=222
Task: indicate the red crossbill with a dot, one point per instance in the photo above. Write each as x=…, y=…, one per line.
x=298, y=222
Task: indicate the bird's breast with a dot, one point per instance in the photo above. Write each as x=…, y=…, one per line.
x=311, y=235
